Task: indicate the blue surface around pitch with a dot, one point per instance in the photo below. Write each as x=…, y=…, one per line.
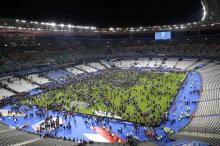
x=79, y=128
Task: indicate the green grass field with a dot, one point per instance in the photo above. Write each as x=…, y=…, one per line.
x=133, y=96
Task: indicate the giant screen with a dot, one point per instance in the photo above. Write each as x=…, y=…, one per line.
x=162, y=35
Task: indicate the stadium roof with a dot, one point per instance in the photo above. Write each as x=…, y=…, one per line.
x=104, y=13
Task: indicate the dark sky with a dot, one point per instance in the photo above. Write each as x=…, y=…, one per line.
x=104, y=13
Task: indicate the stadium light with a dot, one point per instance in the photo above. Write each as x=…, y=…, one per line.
x=111, y=28
x=182, y=26
x=79, y=27
x=53, y=24
x=69, y=26
x=188, y=23
x=86, y=27
x=62, y=25
x=93, y=28
x=204, y=11
x=23, y=21
x=132, y=29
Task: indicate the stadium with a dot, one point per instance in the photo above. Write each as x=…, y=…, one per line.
x=65, y=85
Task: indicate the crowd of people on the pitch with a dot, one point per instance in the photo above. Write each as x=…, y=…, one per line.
x=81, y=92
x=53, y=124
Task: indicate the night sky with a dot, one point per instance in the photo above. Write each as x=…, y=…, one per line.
x=104, y=13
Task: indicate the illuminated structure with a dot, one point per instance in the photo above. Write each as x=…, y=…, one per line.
x=210, y=18
x=27, y=44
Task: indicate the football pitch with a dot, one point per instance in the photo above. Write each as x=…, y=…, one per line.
x=142, y=97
